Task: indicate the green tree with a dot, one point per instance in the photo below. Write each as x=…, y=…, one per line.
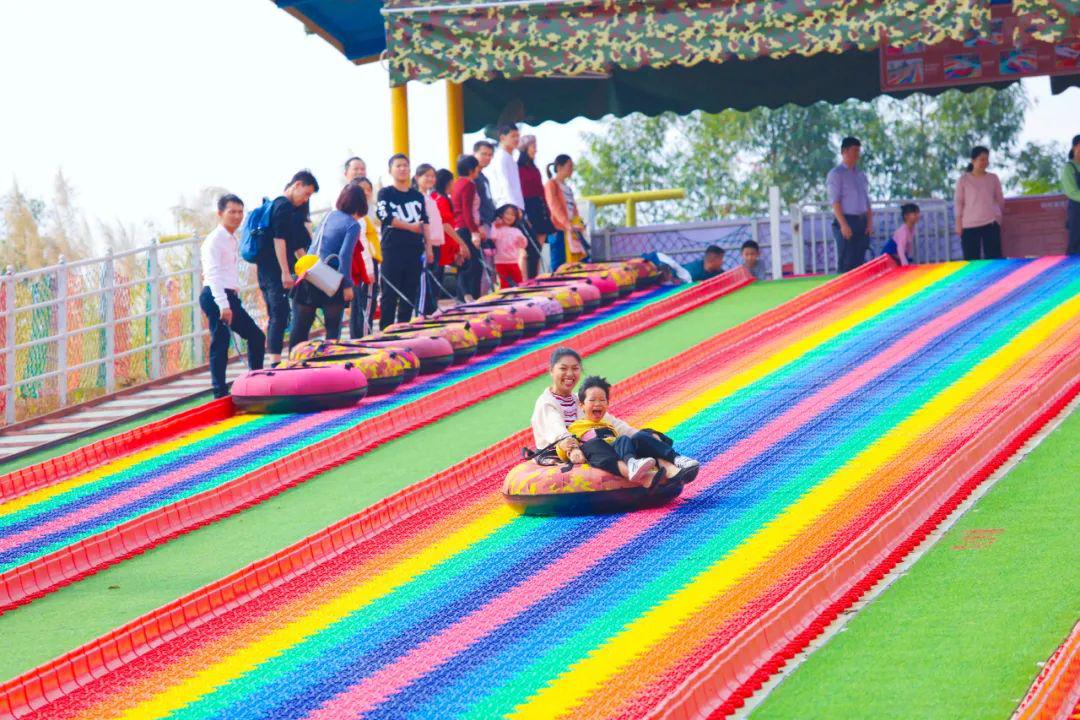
x=1038, y=168
x=913, y=147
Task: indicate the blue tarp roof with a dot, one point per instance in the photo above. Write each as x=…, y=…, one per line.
x=355, y=27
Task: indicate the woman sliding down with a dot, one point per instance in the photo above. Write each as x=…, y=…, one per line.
x=557, y=411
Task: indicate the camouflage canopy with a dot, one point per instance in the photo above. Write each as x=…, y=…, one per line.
x=460, y=40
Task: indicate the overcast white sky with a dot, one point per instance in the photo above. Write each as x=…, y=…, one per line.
x=141, y=101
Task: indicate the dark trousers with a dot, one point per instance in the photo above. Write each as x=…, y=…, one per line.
x=983, y=241
x=242, y=325
x=532, y=249
x=401, y=268
x=601, y=455
x=470, y=272
x=277, y=307
x=1073, y=224
x=851, y=252
x=365, y=300
x=304, y=317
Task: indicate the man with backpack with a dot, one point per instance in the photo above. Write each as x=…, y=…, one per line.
x=275, y=236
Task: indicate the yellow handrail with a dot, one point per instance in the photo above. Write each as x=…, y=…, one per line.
x=631, y=199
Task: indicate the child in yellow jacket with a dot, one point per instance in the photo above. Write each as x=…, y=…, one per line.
x=641, y=458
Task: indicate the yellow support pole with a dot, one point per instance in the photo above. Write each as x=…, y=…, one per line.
x=455, y=123
x=399, y=118
x=631, y=213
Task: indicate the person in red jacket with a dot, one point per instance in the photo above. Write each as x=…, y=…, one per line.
x=536, y=209
x=466, y=205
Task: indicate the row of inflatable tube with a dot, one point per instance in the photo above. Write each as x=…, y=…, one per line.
x=325, y=375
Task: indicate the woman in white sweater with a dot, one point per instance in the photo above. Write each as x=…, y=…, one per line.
x=557, y=408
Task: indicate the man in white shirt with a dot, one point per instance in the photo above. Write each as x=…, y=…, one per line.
x=220, y=303
x=505, y=181
x=503, y=170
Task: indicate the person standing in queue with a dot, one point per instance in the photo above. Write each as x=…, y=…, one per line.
x=465, y=198
x=277, y=260
x=355, y=168
x=1070, y=185
x=401, y=210
x=849, y=195
x=979, y=206
x=335, y=244
x=536, y=209
x=219, y=301
x=484, y=152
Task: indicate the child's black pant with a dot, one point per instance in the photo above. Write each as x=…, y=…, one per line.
x=601, y=455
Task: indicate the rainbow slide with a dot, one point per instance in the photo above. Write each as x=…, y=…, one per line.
x=834, y=433
x=72, y=516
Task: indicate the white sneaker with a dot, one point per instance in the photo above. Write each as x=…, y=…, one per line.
x=683, y=462
x=639, y=468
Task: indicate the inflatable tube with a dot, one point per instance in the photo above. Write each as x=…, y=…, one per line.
x=648, y=274
x=487, y=333
x=535, y=489
x=590, y=295
x=603, y=280
x=534, y=312
x=462, y=339
x=568, y=297
x=510, y=322
x=299, y=389
x=624, y=274
x=385, y=370
x=434, y=353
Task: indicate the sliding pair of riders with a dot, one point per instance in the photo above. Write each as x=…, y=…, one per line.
x=579, y=430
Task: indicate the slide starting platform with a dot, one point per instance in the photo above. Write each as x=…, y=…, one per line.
x=834, y=431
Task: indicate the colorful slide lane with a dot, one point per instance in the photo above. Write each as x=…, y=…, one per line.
x=75, y=524
x=830, y=442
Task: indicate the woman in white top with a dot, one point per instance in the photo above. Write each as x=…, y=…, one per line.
x=434, y=233
x=979, y=207
x=557, y=408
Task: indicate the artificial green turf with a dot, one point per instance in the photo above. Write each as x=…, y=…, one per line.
x=84, y=610
x=69, y=445
x=960, y=635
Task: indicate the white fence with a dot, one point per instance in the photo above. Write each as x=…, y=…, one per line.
x=75, y=331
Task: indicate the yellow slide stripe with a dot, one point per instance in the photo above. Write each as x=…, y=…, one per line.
x=233, y=666
x=24, y=501
x=572, y=687
x=802, y=346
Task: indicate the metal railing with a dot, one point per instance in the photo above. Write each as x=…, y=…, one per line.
x=75, y=331
x=805, y=243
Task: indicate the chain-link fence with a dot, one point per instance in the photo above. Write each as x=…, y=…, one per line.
x=75, y=331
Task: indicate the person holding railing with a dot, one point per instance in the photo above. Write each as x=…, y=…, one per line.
x=979, y=204
x=849, y=195
x=220, y=256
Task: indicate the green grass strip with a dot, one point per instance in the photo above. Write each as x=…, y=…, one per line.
x=77, y=613
x=961, y=633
